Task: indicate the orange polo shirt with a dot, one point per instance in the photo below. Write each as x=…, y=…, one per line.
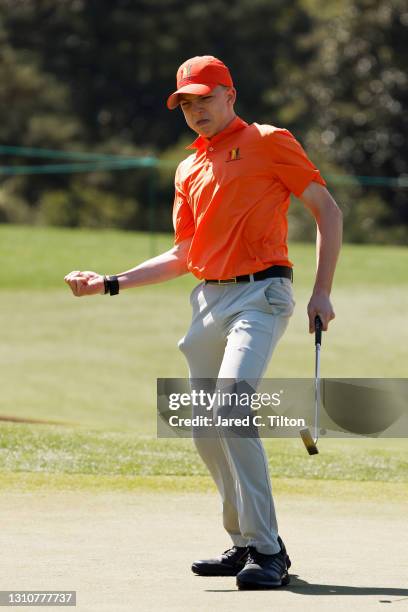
x=232, y=195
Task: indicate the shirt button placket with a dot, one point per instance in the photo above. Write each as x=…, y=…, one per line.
x=208, y=162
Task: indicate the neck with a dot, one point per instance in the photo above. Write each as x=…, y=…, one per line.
x=227, y=123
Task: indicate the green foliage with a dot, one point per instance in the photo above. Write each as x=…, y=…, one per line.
x=35, y=102
x=56, y=208
x=14, y=209
x=86, y=207
x=359, y=89
x=95, y=76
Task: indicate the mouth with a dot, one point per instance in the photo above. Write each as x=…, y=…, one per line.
x=202, y=122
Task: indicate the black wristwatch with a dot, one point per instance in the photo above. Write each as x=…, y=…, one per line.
x=111, y=285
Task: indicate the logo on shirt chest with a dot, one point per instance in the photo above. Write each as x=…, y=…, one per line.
x=233, y=155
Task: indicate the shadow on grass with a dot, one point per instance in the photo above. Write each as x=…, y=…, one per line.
x=297, y=585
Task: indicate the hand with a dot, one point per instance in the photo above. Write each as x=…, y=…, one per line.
x=320, y=304
x=85, y=283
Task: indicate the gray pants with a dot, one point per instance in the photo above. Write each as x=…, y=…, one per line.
x=233, y=333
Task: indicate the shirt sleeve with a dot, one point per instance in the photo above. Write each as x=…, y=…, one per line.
x=289, y=162
x=183, y=220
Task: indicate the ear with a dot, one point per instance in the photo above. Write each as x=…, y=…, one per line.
x=232, y=95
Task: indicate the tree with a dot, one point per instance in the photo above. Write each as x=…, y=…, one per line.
x=358, y=84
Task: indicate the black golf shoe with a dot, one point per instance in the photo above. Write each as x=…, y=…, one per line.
x=283, y=551
x=229, y=563
x=264, y=571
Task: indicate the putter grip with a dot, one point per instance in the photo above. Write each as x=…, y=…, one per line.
x=318, y=330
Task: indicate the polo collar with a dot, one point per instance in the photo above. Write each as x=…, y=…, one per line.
x=236, y=124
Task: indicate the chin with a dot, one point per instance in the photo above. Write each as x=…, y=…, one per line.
x=208, y=133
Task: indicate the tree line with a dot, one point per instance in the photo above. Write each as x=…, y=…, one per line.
x=93, y=75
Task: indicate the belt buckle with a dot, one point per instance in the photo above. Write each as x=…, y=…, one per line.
x=227, y=281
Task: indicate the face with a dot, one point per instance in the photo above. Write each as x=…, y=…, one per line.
x=207, y=115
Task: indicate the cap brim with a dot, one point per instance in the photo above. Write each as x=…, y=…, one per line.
x=194, y=88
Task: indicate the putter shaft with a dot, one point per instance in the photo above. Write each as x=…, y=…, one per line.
x=309, y=441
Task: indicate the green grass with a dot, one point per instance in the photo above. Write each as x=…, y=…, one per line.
x=38, y=258
x=53, y=449
x=93, y=362
x=337, y=491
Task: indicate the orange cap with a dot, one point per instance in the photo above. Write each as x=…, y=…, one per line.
x=199, y=75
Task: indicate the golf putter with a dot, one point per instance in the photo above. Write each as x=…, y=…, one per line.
x=308, y=440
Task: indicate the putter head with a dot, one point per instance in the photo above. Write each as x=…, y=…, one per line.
x=308, y=441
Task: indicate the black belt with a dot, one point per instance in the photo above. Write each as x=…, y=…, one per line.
x=272, y=272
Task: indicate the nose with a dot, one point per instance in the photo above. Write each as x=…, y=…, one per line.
x=197, y=106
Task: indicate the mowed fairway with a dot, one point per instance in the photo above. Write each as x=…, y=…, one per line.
x=109, y=505
x=93, y=362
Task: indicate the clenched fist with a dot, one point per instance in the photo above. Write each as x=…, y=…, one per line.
x=85, y=283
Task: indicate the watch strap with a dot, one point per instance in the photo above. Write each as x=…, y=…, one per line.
x=111, y=284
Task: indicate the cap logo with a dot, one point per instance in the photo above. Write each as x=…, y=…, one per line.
x=185, y=72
